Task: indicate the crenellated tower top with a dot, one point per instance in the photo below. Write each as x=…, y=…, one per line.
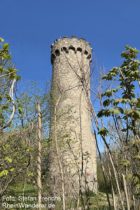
x=64, y=45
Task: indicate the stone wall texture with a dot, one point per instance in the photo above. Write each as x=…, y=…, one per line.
x=73, y=142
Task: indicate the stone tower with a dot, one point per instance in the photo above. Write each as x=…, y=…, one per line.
x=73, y=155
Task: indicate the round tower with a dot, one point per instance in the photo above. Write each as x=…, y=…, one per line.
x=73, y=154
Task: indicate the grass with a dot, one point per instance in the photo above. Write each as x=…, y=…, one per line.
x=21, y=188
x=98, y=201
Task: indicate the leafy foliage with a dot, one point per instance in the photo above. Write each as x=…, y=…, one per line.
x=128, y=76
x=14, y=157
x=8, y=74
x=122, y=103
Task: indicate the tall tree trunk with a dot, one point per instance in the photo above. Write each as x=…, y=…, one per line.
x=126, y=192
x=39, y=134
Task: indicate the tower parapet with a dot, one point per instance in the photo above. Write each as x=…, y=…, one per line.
x=65, y=45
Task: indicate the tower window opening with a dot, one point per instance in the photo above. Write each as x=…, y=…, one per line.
x=72, y=48
x=65, y=49
x=86, y=52
x=57, y=52
x=79, y=49
x=89, y=56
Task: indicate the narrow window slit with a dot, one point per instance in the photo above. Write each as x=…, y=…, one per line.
x=57, y=52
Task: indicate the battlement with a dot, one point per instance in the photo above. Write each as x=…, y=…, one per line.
x=65, y=45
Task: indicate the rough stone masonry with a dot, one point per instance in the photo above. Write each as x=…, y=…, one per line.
x=73, y=147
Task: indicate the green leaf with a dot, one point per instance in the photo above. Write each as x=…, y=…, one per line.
x=20, y=110
x=18, y=77
x=1, y=69
x=137, y=157
x=8, y=159
x=3, y=173
x=1, y=39
x=110, y=92
x=103, y=131
x=6, y=46
x=104, y=112
x=5, y=106
x=112, y=73
x=106, y=102
x=129, y=53
x=6, y=56
x=129, y=177
x=8, y=98
x=135, y=114
x=125, y=163
x=30, y=174
x=12, y=169
x=115, y=111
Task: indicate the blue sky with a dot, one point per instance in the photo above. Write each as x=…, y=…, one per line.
x=30, y=26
